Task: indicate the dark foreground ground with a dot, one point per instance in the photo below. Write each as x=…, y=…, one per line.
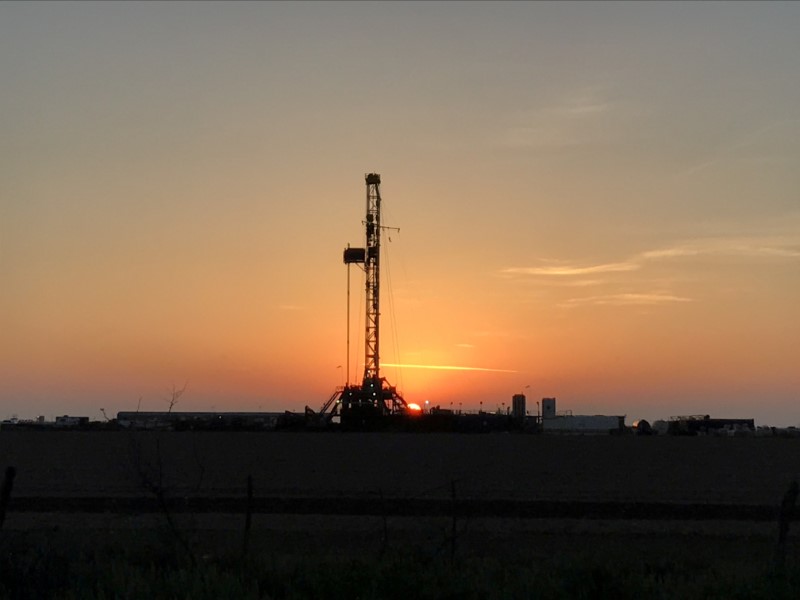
x=120, y=514
x=752, y=471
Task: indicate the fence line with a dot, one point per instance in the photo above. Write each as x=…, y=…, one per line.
x=396, y=506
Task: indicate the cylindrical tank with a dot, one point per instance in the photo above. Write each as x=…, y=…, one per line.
x=354, y=255
x=518, y=406
x=548, y=408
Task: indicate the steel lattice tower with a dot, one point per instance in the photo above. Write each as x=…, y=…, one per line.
x=373, y=285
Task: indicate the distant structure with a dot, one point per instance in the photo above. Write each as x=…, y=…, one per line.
x=518, y=407
x=71, y=422
x=566, y=422
x=705, y=425
x=548, y=408
x=63, y=422
x=181, y=421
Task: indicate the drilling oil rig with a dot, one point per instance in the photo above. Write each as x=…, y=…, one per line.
x=373, y=403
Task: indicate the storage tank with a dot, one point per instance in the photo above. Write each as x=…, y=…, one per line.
x=548, y=408
x=354, y=255
x=518, y=406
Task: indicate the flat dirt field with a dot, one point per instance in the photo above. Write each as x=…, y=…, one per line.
x=324, y=469
x=743, y=471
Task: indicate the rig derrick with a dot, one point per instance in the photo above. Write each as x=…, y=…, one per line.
x=373, y=403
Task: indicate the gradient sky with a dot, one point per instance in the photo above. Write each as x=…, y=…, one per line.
x=597, y=202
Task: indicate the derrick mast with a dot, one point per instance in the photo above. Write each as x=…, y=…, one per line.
x=372, y=272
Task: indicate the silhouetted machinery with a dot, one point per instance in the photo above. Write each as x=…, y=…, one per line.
x=373, y=401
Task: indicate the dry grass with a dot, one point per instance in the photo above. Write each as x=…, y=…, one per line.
x=310, y=556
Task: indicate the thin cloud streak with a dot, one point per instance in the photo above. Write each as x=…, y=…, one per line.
x=569, y=270
x=743, y=142
x=754, y=247
x=559, y=125
x=447, y=368
x=629, y=299
x=583, y=283
x=748, y=247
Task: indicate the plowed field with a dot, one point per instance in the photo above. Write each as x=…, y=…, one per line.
x=484, y=467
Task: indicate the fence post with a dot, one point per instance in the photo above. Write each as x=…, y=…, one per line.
x=455, y=522
x=247, y=516
x=784, y=520
x=385, y=535
x=5, y=492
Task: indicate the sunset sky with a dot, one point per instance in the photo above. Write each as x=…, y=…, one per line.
x=598, y=202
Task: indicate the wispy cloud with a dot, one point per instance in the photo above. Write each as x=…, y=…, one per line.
x=761, y=143
x=775, y=247
x=465, y=345
x=586, y=103
x=290, y=307
x=627, y=299
x=770, y=247
x=559, y=124
x=582, y=282
x=448, y=368
x=569, y=270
